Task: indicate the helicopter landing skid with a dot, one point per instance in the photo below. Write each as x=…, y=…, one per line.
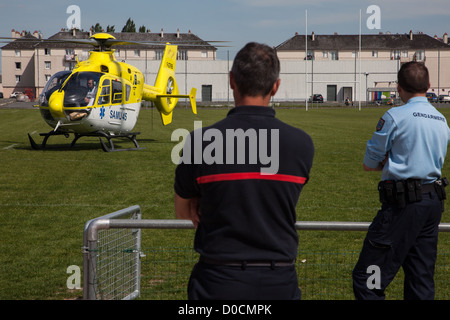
x=131, y=136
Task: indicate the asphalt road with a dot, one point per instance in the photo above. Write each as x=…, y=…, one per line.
x=14, y=104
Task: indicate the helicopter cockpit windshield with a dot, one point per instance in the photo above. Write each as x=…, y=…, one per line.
x=81, y=89
x=55, y=83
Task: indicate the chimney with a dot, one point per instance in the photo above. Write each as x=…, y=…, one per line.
x=313, y=36
x=162, y=33
x=36, y=34
x=90, y=32
x=13, y=33
x=410, y=35
x=446, y=38
x=178, y=32
x=74, y=33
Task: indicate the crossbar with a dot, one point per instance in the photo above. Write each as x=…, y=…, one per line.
x=187, y=224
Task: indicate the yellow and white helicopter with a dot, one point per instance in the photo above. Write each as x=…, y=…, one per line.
x=102, y=97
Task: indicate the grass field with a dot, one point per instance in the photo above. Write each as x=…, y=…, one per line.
x=47, y=196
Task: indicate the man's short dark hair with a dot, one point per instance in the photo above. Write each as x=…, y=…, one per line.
x=413, y=77
x=255, y=69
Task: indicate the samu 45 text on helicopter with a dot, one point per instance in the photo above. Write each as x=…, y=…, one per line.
x=102, y=97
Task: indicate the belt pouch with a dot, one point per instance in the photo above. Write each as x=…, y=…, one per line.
x=414, y=190
x=400, y=194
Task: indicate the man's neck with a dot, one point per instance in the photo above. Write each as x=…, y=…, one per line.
x=253, y=101
x=408, y=96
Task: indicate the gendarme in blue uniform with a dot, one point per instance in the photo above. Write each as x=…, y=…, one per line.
x=416, y=136
x=404, y=233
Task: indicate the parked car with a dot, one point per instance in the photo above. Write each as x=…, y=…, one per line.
x=16, y=94
x=444, y=98
x=316, y=98
x=432, y=97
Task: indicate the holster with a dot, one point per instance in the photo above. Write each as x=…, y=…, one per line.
x=439, y=186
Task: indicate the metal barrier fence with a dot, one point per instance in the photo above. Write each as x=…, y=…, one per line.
x=111, y=257
x=112, y=261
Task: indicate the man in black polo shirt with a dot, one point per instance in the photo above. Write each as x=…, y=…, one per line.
x=239, y=182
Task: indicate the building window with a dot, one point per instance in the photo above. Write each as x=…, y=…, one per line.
x=325, y=54
x=47, y=77
x=204, y=54
x=334, y=55
x=47, y=52
x=182, y=55
x=395, y=54
x=117, y=53
x=420, y=55
x=18, y=53
x=374, y=54
x=18, y=78
x=18, y=65
x=48, y=65
x=310, y=55
x=137, y=53
x=159, y=54
x=405, y=54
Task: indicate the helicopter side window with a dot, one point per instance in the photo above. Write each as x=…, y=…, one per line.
x=116, y=91
x=105, y=93
x=128, y=91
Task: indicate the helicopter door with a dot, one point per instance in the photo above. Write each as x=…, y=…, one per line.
x=104, y=97
x=116, y=91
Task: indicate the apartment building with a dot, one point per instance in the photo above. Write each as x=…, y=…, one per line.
x=341, y=66
x=30, y=61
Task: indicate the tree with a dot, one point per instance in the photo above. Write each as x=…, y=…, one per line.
x=110, y=29
x=97, y=28
x=142, y=29
x=129, y=26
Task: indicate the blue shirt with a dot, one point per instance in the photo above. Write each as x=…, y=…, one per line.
x=415, y=137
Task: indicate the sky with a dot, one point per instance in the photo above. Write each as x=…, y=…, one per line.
x=237, y=21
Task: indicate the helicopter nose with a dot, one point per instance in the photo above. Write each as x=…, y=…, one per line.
x=56, y=103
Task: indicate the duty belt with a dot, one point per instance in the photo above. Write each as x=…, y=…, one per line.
x=402, y=192
x=243, y=264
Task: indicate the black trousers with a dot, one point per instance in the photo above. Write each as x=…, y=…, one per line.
x=218, y=282
x=400, y=238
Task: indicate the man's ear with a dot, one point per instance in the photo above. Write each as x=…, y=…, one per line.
x=275, y=88
x=232, y=83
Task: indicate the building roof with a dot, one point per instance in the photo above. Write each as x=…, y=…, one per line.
x=27, y=42
x=368, y=42
x=155, y=40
